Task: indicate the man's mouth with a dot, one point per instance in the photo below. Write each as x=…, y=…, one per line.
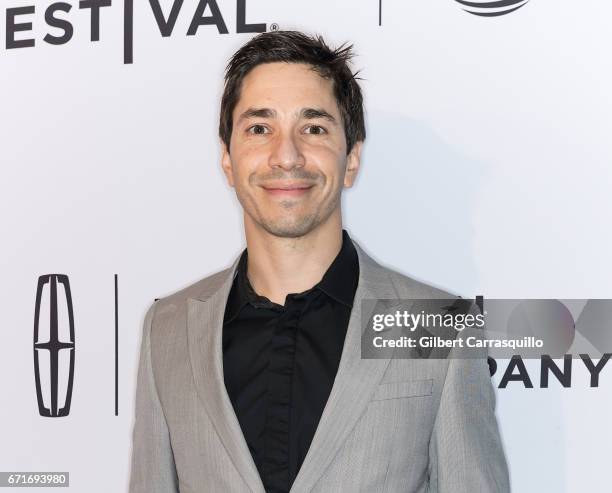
x=290, y=189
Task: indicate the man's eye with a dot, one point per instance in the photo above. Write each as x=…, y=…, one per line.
x=315, y=130
x=257, y=129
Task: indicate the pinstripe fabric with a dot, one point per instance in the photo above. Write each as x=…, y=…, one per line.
x=390, y=425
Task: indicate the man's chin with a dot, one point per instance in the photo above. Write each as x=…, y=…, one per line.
x=289, y=229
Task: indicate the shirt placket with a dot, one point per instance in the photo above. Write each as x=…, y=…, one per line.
x=278, y=413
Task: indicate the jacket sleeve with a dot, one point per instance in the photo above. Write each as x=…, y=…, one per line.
x=465, y=450
x=152, y=469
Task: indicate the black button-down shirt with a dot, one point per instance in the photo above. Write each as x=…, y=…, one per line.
x=280, y=362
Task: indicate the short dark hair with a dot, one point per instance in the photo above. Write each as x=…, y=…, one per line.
x=297, y=47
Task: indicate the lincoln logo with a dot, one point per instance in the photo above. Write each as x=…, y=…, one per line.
x=492, y=9
x=53, y=345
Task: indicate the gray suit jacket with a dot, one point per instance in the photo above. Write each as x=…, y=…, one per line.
x=389, y=425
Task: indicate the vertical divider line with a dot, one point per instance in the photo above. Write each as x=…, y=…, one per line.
x=116, y=346
x=128, y=31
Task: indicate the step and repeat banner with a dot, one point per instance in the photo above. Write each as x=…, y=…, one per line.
x=487, y=166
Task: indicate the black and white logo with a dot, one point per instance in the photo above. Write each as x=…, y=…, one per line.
x=53, y=345
x=491, y=8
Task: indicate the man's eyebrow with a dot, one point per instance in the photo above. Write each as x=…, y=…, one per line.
x=307, y=113
x=311, y=113
x=257, y=113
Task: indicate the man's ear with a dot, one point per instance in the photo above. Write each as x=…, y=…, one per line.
x=353, y=161
x=226, y=164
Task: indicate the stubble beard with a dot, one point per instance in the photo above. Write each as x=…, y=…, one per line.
x=292, y=224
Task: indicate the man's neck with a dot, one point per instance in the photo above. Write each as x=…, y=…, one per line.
x=280, y=266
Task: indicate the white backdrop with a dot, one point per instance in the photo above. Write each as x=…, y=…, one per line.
x=488, y=138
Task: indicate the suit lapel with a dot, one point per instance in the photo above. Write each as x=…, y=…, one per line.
x=355, y=381
x=204, y=329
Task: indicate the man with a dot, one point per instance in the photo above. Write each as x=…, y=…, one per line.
x=251, y=380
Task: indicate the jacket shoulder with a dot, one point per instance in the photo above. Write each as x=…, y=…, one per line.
x=166, y=315
x=404, y=286
x=201, y=289
x=409, y=287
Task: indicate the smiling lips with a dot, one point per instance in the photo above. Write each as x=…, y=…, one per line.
x=290, y=189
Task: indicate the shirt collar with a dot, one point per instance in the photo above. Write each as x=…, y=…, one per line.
x=339, y=281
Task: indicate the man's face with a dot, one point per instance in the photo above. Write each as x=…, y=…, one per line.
x=287, y=158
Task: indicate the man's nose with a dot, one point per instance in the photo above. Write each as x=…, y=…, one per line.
x=286, y=153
